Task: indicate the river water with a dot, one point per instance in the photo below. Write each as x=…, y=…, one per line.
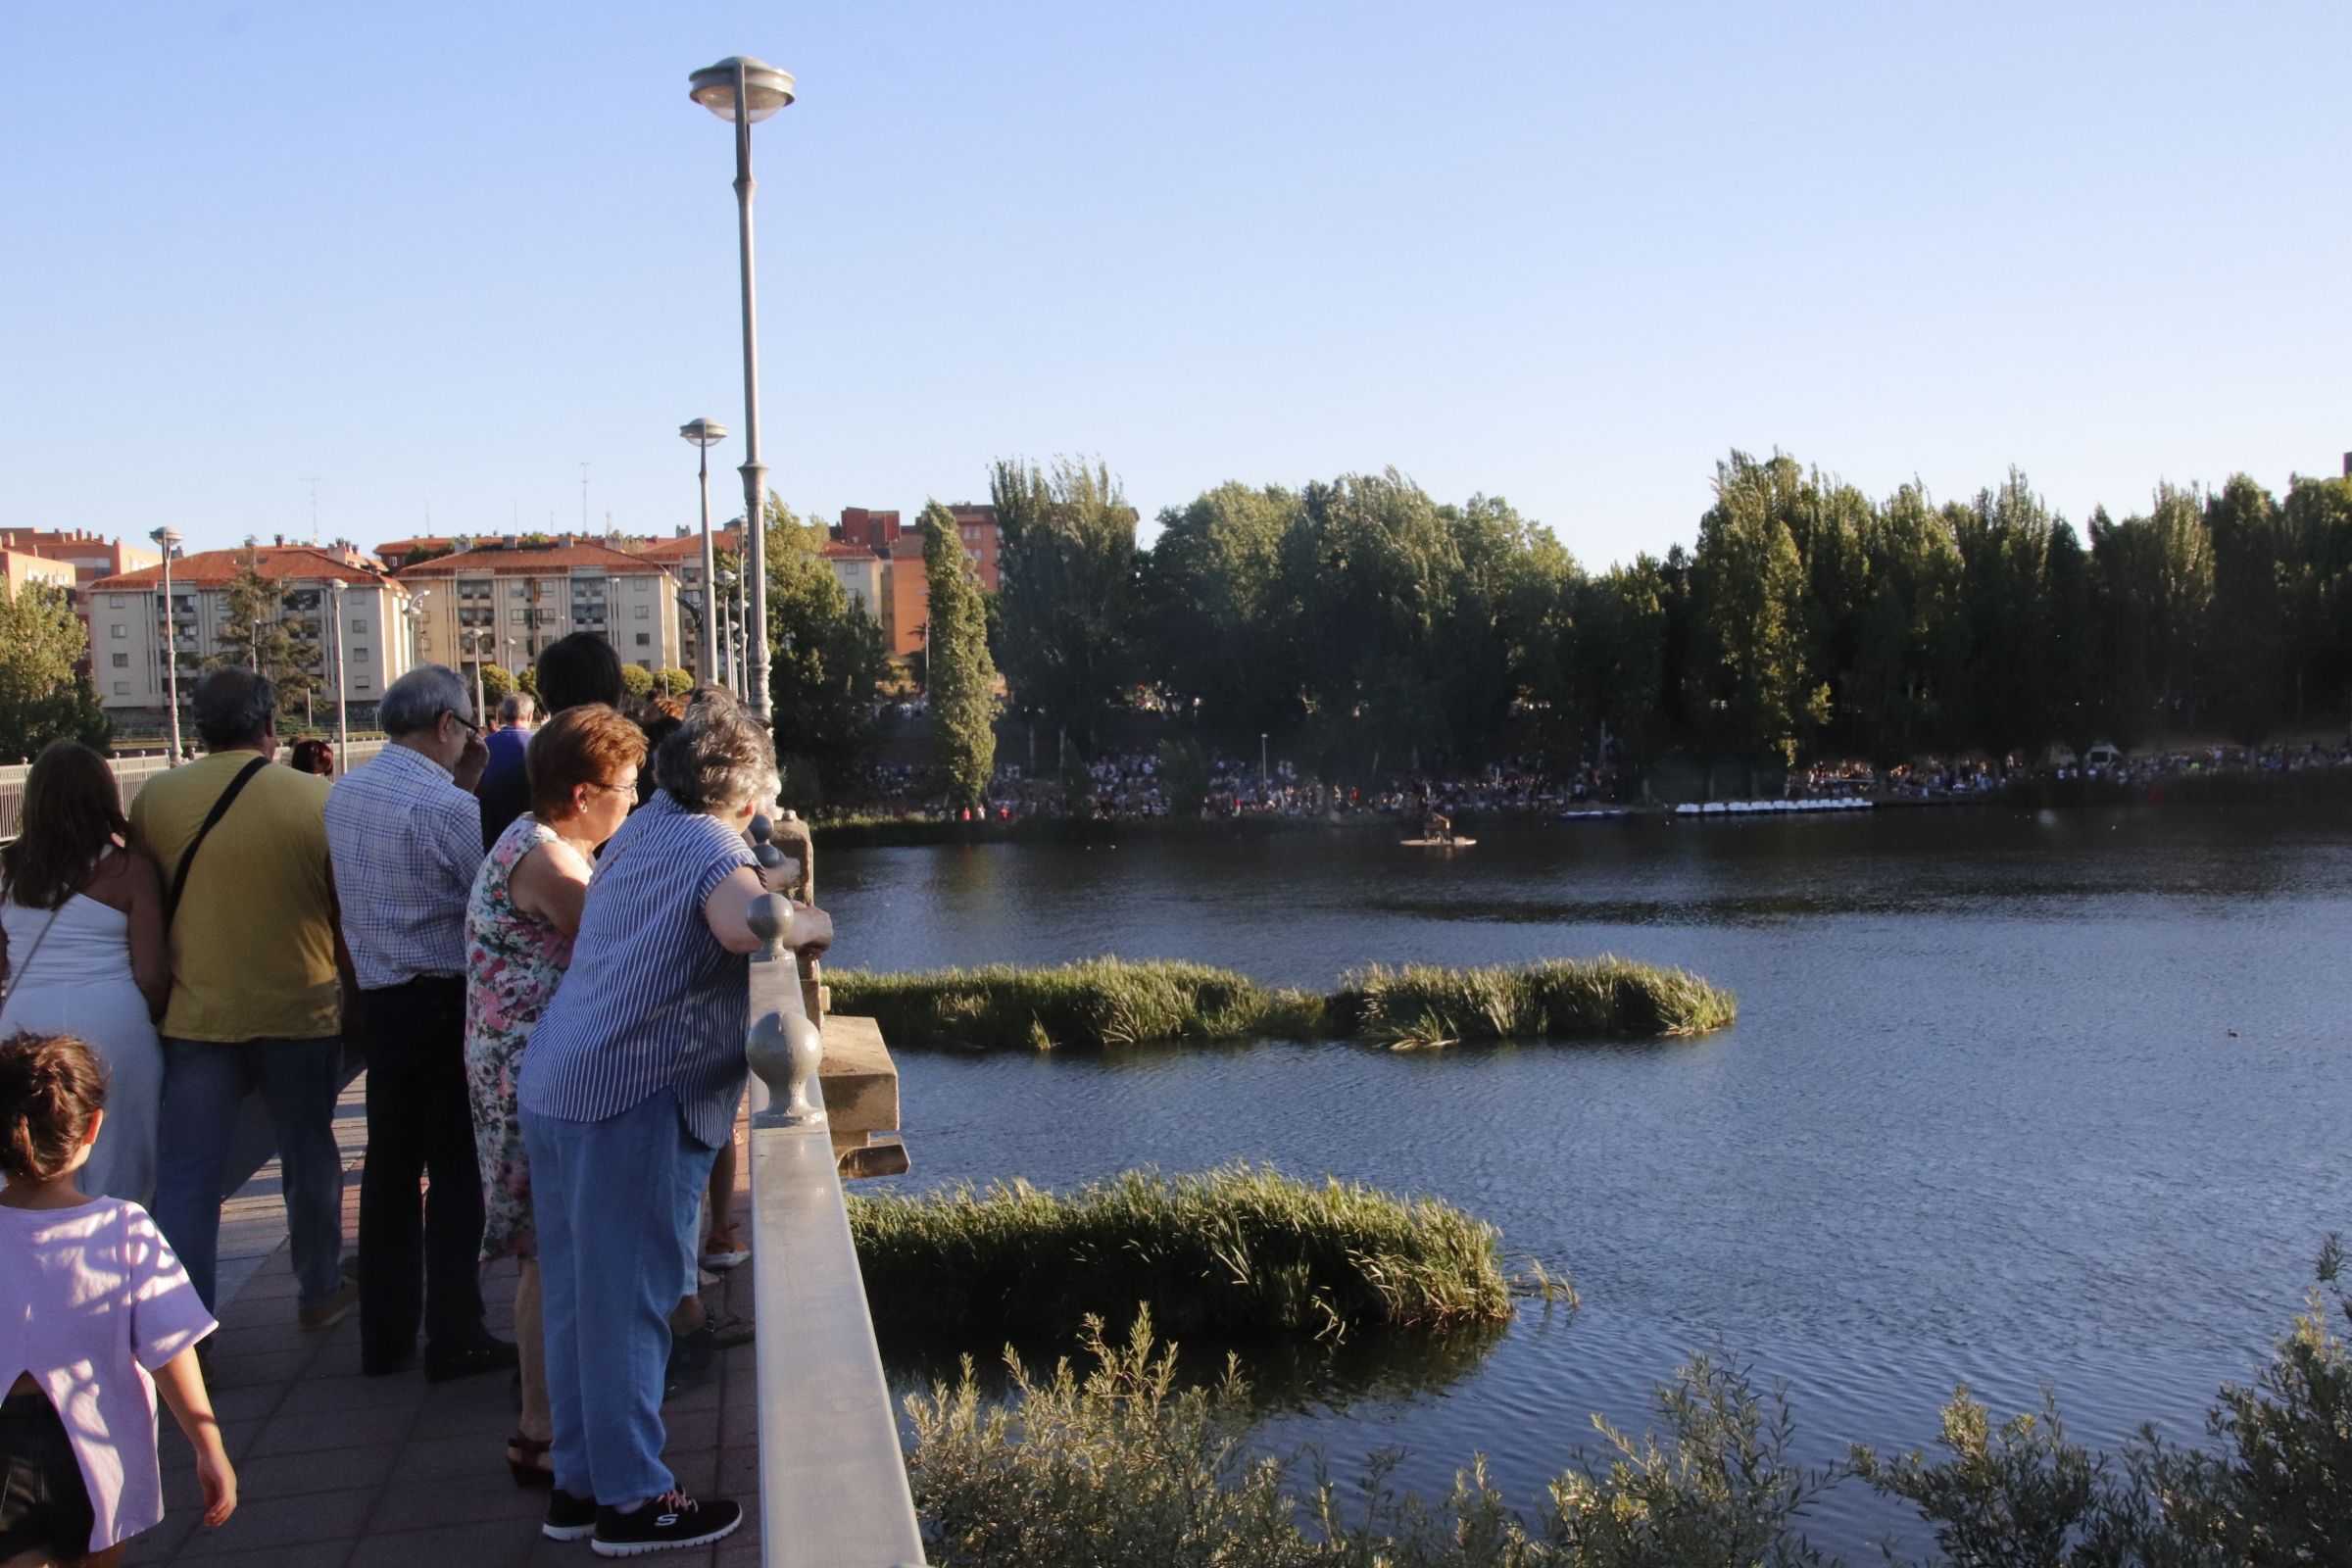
x=2015, y=1099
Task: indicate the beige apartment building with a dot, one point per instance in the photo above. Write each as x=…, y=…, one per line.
x=501, y=602
x=126, y=618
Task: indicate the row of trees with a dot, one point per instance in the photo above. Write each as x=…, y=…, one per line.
x=1387, y=630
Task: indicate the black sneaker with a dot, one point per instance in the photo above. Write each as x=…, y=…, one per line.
x=568, y=1518
x=673, y=1519
x=485, y=1354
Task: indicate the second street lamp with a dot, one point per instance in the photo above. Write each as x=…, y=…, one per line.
x=706, y=434
x=742, y=90
x=168, y=540
x=335, y=591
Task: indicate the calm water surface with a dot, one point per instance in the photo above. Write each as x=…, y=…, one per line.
x=2014, y=1099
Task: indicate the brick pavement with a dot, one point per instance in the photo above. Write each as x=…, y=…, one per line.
x=335, y=1470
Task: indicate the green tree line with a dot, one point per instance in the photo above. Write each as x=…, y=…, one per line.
x=1385, y=630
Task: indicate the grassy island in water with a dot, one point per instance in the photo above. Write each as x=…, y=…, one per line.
x=1108, y=1001
x=1242, y=1250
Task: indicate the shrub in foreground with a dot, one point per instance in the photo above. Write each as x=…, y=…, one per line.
x=1108, y=1002
x=1239, y=1250
x=1116, y=1466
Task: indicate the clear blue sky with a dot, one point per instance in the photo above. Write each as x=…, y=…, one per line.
x=439, y=253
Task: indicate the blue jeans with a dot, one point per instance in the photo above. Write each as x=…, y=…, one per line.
x=204, y=1084
x=614, y=1202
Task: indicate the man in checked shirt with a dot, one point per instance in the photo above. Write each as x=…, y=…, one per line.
x=405, y=835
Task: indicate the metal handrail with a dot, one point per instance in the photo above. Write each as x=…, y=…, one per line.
x=833, y=1490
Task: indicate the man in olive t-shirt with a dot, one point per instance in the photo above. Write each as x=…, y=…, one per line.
x=254, y=1003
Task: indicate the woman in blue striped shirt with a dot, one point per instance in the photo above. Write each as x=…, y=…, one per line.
x=629, y=1087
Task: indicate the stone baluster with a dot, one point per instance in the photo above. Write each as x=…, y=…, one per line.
x=783, y=1045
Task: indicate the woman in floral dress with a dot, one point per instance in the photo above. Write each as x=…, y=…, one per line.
x=519, y=923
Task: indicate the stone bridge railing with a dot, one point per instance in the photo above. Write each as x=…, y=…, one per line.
x=833, y=1488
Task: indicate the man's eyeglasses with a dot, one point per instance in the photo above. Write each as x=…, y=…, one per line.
x=471, y=729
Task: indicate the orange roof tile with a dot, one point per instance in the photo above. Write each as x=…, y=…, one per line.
x=213, y=568
x=689, y=547
x=526, y=560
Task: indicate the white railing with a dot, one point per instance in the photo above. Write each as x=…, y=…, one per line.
x=833, y=1489
x=130, y=774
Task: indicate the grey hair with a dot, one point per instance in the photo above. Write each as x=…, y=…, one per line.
x=717, y=758
x=234, y=707
x=417, y=700
x=515, y=708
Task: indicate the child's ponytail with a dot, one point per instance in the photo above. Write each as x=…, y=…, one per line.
x=51, y=1085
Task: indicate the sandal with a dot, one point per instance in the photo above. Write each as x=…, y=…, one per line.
x=723, y=1251
x=526, y=1458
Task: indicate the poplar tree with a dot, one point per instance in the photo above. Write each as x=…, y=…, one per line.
x=959, y=677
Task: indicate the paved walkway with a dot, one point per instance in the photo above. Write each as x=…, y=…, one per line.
x=339, y=1471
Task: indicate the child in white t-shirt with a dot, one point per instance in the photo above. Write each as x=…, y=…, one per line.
x=96, y=1303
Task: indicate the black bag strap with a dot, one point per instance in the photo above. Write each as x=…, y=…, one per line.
x=188, y=857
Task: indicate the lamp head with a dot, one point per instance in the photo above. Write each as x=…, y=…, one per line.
x=703, y=432
x=766, y=89
x=168, y=537
x=335, y=586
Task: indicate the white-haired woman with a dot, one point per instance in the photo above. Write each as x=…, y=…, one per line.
x=630, y=1087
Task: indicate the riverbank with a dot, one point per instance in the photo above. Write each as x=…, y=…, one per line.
x=1109, y=1001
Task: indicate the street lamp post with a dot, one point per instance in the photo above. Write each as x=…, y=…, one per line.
x=334, y=587
x=169, y=539
x=722, y=586
x=471, y=639
x=706, y=434
x=742, y=90
x=1262, y=773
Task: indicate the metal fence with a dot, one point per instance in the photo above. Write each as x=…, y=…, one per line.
x=131, y=774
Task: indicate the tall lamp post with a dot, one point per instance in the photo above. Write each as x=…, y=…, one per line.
x=742, y=90
x=706, y=434
x=334, y=589
x=475, y=637
x=169, y=539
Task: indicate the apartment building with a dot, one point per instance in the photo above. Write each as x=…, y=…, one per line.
x=90, y=556
x=127, y=616
x=681, y=555
x=501, y=602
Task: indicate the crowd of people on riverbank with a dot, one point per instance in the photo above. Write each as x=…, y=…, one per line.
x=1135, y=785
x=537, y=934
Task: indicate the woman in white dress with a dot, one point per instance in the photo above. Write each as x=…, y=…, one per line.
x=82, y=952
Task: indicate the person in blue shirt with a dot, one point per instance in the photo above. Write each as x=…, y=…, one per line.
x=516, y=714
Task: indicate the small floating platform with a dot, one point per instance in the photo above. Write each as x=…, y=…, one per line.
x=1455, y=842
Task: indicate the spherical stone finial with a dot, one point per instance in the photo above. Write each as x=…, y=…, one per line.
x=770, y=917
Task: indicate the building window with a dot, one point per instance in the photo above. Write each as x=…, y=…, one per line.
x=521, y=618
x=122, y=661
x=359, y=653
x=120, y=630
x=644, y=612
x=122, y=688
x=514, y=590
x=359, y=685
x=358, y=623
x=113, y=601
x=645, y=640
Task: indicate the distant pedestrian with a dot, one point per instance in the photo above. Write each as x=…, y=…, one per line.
x=405, y=833
x=516, y=715
x=314, y=757
x=633, y=1079
x=81, y=931
x=519, y=926
x=96, y=1303
x=250, y=917
x=571, y=672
